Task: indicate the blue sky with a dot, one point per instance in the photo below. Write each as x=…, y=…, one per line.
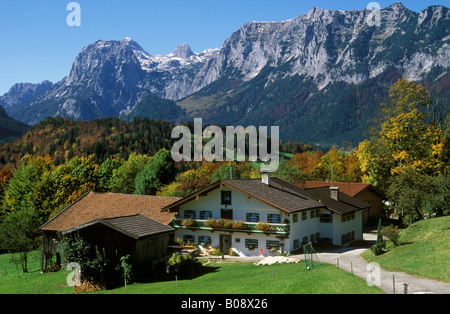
x=37, y=44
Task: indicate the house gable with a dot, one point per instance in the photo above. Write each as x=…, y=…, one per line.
x=210, y=205
x=278, y=198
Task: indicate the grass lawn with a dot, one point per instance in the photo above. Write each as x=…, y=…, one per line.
x=423, y=251
x=14, y=281
x=217, y=278
x=245, y=278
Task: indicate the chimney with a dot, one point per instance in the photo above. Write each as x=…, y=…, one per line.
x=334, y=192
x=265, y=176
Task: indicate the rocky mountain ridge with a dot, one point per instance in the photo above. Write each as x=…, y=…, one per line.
x=288, y=64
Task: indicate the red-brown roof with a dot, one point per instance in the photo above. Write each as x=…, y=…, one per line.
x=93, y=206
x=349, y=188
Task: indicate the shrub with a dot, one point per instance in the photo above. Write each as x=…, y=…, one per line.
x=391, y=233
x=378, y=248
x=217, y=252
x=183, y=265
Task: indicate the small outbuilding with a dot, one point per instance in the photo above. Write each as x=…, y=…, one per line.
x=119, y=224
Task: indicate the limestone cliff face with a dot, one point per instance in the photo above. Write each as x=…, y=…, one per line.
x=331, y=46
x=324, y=47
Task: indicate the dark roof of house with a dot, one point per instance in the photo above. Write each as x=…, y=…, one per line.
x=345, y=204
x=275, y=195
x=349, y=188
x=283, y=195
x=93, y=206
x=136, y=226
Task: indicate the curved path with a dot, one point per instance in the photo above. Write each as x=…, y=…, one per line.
x=349, y=259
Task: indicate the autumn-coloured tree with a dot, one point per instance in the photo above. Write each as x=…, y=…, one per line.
x=306, y=162
x=406, y=157
x=334, y=165
x=406, y=139
x=5, y=176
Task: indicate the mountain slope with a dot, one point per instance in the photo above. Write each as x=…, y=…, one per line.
x=319, y=76
x=10, y=129
x=322, y=75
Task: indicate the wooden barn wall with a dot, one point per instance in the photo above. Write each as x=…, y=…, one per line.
x=115, y=243
x=145, y=253
x=151, y=248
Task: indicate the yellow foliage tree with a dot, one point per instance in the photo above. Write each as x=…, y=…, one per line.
x=407, y=138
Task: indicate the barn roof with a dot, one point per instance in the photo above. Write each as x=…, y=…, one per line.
x=136, y=226
x=93, y=206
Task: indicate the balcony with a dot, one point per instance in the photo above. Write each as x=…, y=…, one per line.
x=231, y=226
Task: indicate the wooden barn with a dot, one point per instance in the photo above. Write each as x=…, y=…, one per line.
x=120, y=224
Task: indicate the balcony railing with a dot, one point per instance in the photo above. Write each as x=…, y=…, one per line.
x=231, y=226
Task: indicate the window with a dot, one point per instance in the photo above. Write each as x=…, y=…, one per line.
x=270, y=244
x=305, y=240
x=326, y=218
x=188, y=238
x=226, y=198
x=237, y=240
x=273, y=218
x=294, y=218
x=311, y=214
x=205, y=214
x=304, y=215
x=348, y=237
x=189, y=214
x=251, y=244
x=296, y=244
x=348, y=217
x=204, y=239
x=252, y=217
x=317, y=212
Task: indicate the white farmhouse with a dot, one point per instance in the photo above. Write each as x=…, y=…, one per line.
x=266, y=216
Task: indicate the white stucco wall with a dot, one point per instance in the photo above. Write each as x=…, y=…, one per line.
x=241, y=204
x=341, y=228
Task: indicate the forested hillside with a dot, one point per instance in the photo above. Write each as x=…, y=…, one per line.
x=62, y=139
x=10, y=129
